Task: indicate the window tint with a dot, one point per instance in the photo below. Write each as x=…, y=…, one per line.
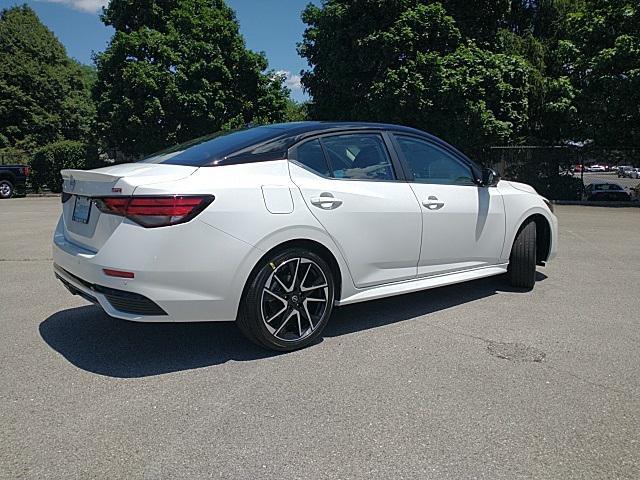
x=430, y=164
x=358, y=156
x=201, y=151
x=607, y=186
x=310, y=155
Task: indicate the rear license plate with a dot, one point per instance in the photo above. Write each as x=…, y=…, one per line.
x=82, y=209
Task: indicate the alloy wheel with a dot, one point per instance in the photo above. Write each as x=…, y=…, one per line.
x=5, y=190
x=294, y=299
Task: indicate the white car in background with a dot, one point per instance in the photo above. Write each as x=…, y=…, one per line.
x=274, y=226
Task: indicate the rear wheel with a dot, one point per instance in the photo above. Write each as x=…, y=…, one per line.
x=288, y=301
x=522, y=262
x=6, y=189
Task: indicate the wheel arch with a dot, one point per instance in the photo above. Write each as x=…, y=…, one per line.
x=543, y=236
x=8, y=176
x=308, y=244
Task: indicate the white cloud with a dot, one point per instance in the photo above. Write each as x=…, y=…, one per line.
x=91, y=6
x=291, y=79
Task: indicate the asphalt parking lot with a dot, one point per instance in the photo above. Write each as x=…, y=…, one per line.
x=612, y=177
x=467, y=381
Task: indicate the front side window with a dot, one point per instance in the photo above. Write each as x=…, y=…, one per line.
x=358, y=156
x=429, y=163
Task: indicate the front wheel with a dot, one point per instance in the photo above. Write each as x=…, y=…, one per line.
x=288, y=301
x=6, y=189
x=522, y=262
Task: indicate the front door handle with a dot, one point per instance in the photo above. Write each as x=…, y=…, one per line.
x=326, y=201
x=432, y=203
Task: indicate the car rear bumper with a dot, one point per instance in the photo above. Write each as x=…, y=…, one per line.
x=185, y=273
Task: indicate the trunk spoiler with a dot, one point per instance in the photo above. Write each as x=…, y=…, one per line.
x=88, y=176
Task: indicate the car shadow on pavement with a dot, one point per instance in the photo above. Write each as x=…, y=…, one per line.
x=91, y=340
x=95, y=342
x=373, y=314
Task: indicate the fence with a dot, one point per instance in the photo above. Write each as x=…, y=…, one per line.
x=556, y=172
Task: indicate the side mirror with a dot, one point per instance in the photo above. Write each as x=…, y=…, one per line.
x=490, y=177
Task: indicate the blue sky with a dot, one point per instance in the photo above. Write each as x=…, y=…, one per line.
x=271, y=26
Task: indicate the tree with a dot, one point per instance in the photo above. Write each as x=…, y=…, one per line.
x=407, y=62
x=536, y=30
x=605, y=40
x=44, y=95
x=176, y=70
x=296, y=111
x=479, y=19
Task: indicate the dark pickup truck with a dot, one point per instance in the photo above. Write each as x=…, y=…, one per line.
x=13, y=179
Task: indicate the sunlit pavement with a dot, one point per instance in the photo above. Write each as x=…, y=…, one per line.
x=467, y=381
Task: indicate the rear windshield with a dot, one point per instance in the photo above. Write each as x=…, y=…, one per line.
x=205, y=150
x=607, y=186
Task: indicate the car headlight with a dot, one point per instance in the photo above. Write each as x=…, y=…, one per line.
x=549, y=204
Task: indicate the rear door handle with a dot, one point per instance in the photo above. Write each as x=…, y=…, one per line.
x=432, y=203
x=326, y=201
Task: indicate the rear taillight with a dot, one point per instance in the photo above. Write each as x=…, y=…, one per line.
x=26, y=171
x=155, y=211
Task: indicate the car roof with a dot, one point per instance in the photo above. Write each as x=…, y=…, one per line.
x=314, y=126
x=283, y=136
x=271, y=142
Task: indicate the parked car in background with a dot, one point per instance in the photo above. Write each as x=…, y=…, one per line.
x=606, y=192
x=13, y=179
x=624, y=171
x=597, y=168
x=635, y=173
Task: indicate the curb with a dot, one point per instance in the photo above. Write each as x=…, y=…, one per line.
x=584, y=203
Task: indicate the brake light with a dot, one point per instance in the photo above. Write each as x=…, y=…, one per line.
x=26, y=171
x=160, y=211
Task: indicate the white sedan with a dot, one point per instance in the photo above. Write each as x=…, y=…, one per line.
x=274, y=226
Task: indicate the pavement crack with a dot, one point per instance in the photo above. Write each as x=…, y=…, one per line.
x=468, y=335
x=544, y=364
x=587, y=381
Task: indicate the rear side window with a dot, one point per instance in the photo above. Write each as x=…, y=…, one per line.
x=358, y=156
x=310, y=155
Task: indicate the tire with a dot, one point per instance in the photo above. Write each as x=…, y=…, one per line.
x=522, y=262
x=288, y=300
x=6, y=189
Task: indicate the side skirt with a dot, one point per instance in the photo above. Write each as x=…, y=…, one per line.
x=411, y=286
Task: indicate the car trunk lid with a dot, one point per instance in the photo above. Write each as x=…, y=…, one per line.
x=89, y=227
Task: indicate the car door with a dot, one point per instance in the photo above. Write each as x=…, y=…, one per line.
x=463, y=222
x=349, y=183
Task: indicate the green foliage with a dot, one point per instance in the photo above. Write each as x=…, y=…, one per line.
x=479, y=19
x=296, y=112
x=44, y=95
x=178, y=70
x=408, y=62
x=558, y=187
x=605, y=38
x=50, y=159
